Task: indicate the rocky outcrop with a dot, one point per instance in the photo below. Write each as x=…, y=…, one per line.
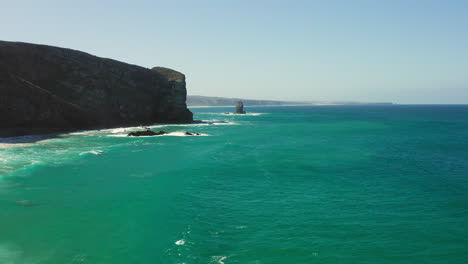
x=192, y=134
x=147, y=132
x=47, y=89
x=240, y=108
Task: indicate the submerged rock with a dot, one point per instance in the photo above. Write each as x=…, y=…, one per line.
x=192, y=134
x=26, y=203
x=240, y=108
x=146, y=133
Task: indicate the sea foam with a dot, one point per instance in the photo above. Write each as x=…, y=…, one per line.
x=94, y=152
x=180, y=242
x=219, y=259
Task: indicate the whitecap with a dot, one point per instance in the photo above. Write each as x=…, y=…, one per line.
x=118, y=130
x=118, y=135
x=94, y=152
x=219, y=259
x=219, y=123
x=96, y=132
x=182, y=134
x=123, y=131
x=15, y=145
x=83, y=132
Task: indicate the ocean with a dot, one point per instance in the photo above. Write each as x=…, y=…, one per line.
x=290, y=184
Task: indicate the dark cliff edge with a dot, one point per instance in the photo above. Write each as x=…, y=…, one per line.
x=45, y=89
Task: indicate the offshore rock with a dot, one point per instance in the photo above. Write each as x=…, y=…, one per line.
x=146, y=133
x=191, y=134
x=240, y=108
x=45, y=89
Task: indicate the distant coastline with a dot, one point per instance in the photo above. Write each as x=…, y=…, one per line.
x=198, y=101
x=209, y=106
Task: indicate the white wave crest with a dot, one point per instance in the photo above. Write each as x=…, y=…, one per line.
x=94, y=152
x=82, y=132
x=118, y=135
x=15, y=145
x=123, y=131
x=182, y=134
x=180, y=242
x=219, y=259
x=118, y=130
x=219, y=123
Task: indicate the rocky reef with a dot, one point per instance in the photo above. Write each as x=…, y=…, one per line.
x=192, y=134
x=45, y=89
x=147, y=132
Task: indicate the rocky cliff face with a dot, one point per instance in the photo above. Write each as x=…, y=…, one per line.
x=48, y=89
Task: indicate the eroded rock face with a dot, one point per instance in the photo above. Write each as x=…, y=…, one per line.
x=240, y=108
x=44, y=88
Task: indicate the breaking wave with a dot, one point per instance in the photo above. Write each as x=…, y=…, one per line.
x=94, y=152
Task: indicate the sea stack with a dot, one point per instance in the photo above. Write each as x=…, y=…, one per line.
x=240, y=108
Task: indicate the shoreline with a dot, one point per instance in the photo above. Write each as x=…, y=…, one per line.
x=11, y=133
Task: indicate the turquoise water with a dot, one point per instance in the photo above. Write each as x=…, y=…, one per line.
x=323, y=184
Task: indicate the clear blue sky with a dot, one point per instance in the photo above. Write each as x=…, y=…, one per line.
x=405, y=51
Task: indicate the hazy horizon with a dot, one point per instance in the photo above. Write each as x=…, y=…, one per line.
x=329, y=101
x=367, y=51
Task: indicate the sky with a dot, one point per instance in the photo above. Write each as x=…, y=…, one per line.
x=400, y=51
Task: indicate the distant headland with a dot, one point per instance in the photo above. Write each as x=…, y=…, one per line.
x=45, y=89
x=198, y=101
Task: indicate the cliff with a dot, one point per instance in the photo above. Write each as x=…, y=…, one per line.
x=49, y=89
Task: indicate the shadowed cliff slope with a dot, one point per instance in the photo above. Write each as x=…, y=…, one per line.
x=51, y=89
